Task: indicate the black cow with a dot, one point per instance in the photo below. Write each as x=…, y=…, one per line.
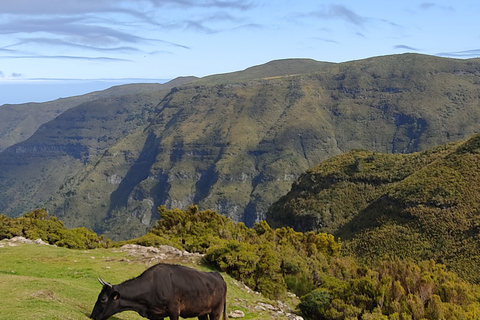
x=165, y=290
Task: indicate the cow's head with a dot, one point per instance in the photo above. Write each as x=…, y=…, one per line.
x=107, y=303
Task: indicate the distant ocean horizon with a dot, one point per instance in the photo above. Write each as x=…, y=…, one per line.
x=43, y=90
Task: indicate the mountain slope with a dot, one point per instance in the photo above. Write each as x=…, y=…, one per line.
x=32, y=171
x=235, y=142
x=20, y=121
x=422, y=205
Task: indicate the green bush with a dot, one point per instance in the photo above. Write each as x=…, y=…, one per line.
x=395, y=289
x=315, y=304
x=38, y=225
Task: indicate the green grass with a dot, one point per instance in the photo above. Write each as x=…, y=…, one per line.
x=47, y=282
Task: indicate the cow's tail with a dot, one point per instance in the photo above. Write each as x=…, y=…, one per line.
x=225, y=316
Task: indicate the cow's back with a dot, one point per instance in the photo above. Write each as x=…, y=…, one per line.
x=196, y=292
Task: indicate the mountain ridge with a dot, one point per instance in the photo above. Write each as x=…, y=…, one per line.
x=233, y=143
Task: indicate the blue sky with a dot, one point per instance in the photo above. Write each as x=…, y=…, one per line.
x=104, y=42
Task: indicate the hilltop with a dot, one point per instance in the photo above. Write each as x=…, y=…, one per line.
x=235, y=142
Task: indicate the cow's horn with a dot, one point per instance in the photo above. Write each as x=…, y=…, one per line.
x=103, y=283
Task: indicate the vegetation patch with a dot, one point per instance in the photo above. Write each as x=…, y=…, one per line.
x=418, y=206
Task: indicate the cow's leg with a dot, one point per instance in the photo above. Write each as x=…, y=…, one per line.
x=204, y=317
x=216, y=314
x=174, y=317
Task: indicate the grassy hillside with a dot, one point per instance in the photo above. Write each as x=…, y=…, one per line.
x=233, y=143
x=46, y=282
x=51, y=282
x=421, y=206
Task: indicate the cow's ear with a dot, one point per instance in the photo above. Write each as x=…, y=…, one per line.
x=116, y=295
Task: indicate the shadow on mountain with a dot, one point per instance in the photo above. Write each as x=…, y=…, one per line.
x=137, y=173
x=203, y=186
x=208, y=179
x=378, y=213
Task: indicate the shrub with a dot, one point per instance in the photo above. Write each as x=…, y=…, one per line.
x=38, y=224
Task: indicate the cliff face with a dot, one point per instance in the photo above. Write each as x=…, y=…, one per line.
x=233, y=143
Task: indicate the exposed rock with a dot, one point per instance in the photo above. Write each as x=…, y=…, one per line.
x=40, y=241
x=260, y=308
x=267, y=306
x=162, y=252
x=12, y=242
x=236, y=314
x=20, y=239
